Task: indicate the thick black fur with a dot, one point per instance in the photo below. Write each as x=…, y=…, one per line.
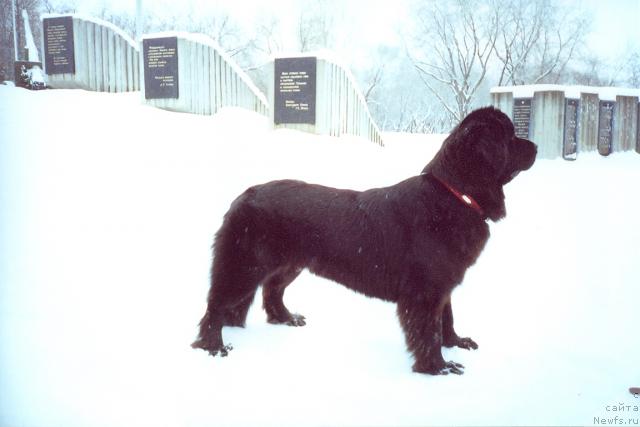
x=410, y=243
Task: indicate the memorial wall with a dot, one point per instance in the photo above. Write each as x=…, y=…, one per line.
x=316, y=94
x=566, y=120
x=87, y=53
x=187, y=72
x=190, y=73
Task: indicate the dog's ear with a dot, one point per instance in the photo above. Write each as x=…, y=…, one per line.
x=483, y=151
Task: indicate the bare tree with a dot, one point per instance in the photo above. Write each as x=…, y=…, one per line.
x=315, y=25
x=396, y=97
x=59, y=6
x=267, y=40
x=562, y=35
x=519, y=31
x=633, y=66
x=592, y=70
x=458, y=43
x=373, y=82
x=536, y=41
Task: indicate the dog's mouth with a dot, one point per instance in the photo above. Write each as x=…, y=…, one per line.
x=508, y=177
x=525, y=160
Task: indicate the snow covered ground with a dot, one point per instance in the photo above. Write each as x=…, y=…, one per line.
x=107, y=212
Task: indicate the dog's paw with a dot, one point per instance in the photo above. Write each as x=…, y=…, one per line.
x=440, y=368
x=224, y=350
x=296, y=320
x=213, y=350
x=466, y=343
x=452, y=368
x=290, y=319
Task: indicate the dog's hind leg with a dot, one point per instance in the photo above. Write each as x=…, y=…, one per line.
x=273, y=292
x=233, y=286
x=223, y=309
x=210, y=336
x=237, y=315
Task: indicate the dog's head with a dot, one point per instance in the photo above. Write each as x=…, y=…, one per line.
x=481, y=155
x=489, y=148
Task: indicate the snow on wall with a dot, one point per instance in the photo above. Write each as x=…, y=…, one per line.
x=208, y=79
x=340, y=106
x=605, y=93
x=106, y=58
x=548, y=117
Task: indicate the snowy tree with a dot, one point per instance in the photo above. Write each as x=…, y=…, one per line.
x=591, y=70
x=221, y=27
x=377, y=74
x=634, y=69
x=396, y=97
x=267, y=40
x=315, y=25
x=536, y=41
x=458, y=45
x=453, y=46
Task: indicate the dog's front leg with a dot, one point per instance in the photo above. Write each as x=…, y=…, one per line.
x=449, y=336
x=421, y=320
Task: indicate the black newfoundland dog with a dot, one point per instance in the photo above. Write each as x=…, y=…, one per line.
x=410, y=243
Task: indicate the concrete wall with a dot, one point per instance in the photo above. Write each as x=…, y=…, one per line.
x=106, y=59
x=625, y=118
x=340, y=106
x=207, y=79
x=548, y=122
x=588, y=127
x=547, y=127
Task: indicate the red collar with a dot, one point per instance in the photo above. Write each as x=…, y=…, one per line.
x=464, y=198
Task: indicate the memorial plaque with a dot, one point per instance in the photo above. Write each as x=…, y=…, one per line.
x=58, y=45
x=160, y=68
x=570, y=142
x=522, y=117
x=295, y=90
x=605, y=127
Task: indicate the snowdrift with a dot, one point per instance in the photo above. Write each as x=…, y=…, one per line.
x=107, y=213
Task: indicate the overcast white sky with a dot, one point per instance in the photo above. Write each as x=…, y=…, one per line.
x=616, y=25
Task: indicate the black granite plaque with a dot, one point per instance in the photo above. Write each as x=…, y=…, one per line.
x=295, y=90
x=605, y=127
x=160, y=68
x=570, y=141
x=58, y=45
x=522, y=117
